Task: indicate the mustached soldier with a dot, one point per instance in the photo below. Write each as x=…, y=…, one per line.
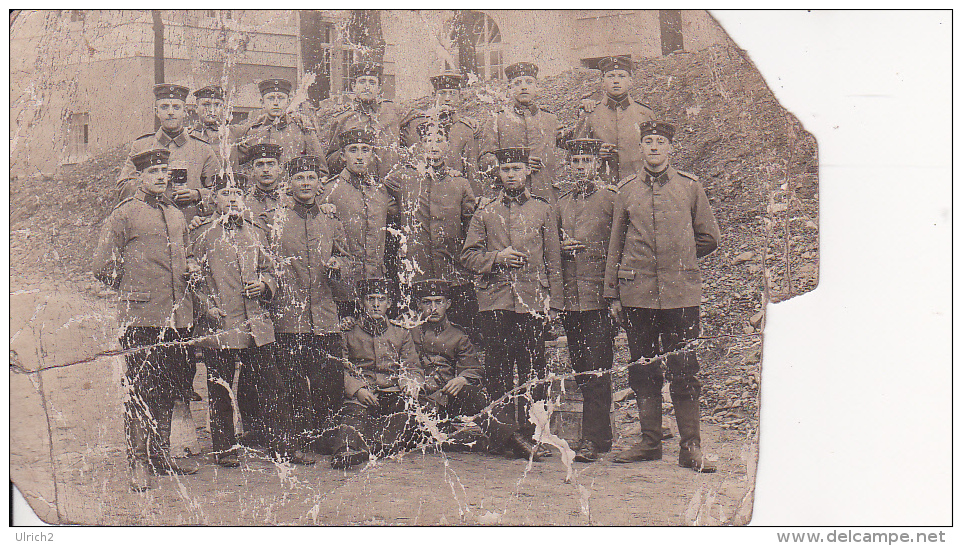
x=142, y=254
x=662, y=224
x=513, y=244
x=263, y=166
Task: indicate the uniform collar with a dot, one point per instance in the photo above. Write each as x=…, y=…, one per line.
x=586, y=188
x=437, y=173
x=622, y=103
x=447, y=117
x=437, y=327
x=154, y=201
x=520, y=199
x=661, y=178
x=374, y=327
x=357, y=180
x=303, y=210
x=520, y=109
x=231, y=222
x=165, y=139
x=261, y=194
x=367, y=107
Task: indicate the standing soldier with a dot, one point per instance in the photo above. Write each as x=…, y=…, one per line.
x=616, y=121
x=213, y=125
x=263, y=164
x=585, y=211
x=662, y=224
x=369, y=111
x=436, y=206
x=464, y=133
x=292, y=131
x=309, y=247
x=230, y=253
x=193, y=162
x=513, y=244
x=363, y=205
x=525, y=124
x=452, y=371
x=142, y=253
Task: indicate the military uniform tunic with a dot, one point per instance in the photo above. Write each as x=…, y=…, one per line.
x=529, y=127
x=464, y=142
x=263, y=205
x=294, y=137
x=382, y=117
x=382, y=357
x=616, y=122
x=585, y=214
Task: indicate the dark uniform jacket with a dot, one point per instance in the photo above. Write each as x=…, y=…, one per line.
x=464, y=141
x=263, y=205
x=295, y=138
x=382, y=117
x=142, y=253
x=435, y=211
x=659, y=230
x=363, y=206
x=188, y=151
x=529, y=127
x=303, y=240
x=616, y=122
x=231, y=254
x=446, y=351
x=585, y=214
x=382, y=356
x=530, y=225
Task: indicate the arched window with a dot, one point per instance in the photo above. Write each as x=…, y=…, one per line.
x=478, y=41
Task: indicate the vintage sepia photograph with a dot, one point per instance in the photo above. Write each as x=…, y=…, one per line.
x=395, y=267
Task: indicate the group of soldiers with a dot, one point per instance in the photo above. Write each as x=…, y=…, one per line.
x=397, y=274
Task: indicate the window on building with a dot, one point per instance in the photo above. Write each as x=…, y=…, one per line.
x=347, y=59
x=217, y=14
x=78, y=138
x=478, y=41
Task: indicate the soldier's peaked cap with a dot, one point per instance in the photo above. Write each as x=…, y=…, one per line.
x=659, y=128
x=618, y=62
x=233, y=180
x=512, y=155
x=275, y=84
x=448, y=80
x=158, y=156
x=375, y=285
x=170, y=91
x=355, y=136
x=210, y=92
x=584, y=146
x=431, y=287
x=521, y=69
x=264, y=150
x=367, y=68
x=303, y=163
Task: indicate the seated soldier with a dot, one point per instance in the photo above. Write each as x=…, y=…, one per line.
x=382, y=375
x=453, y=371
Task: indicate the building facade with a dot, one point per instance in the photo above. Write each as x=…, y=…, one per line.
x=81, y=79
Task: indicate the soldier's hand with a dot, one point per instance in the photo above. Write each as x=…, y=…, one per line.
x=571, y=245
x=511, y=258
x=589, y=105
x=254, y=289
x=185, y=196
x=328, y=208
x=535, y=163
x=216, y=313
x=346, y=323
x=366, y=397
x=334, y=264
x=196, y=221
x=454, y=386
x=616, y=311
x=607, y=151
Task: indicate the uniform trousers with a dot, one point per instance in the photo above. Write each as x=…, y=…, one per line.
x=653, y=332
x=514, y=342
x=313, y=371
x=591, y=337
x=153, y=379
x=266, y=380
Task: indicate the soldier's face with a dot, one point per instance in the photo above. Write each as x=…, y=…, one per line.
x=366, y=88
x=210, y=110
x=358, y=157
x=434, y=308
x=584, y=166
x=616, y=82
x=434, y=145
x=304, y=186
x=230, y=201
x=655, y=150
x=171, y=113
x=154, y=179
x=448, y=99
x=524, y=89
x=513, y=175
x=266, y=171
x=276, y=103
x=376, y=305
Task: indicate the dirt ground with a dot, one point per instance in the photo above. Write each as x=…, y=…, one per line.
x=87, y=458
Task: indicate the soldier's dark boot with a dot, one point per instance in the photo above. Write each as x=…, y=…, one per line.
x=140, y=478
x=690, y=455
x=523, y=448
x=161, y=462
x=649, y=448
